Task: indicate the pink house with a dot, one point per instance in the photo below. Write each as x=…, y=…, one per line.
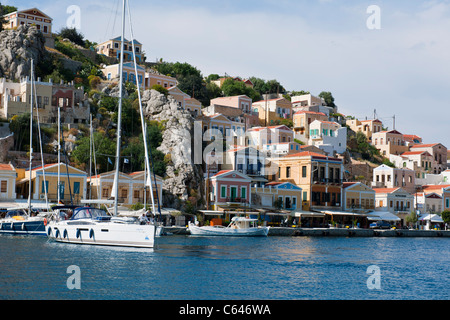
x=239, y=102
x=230, y=188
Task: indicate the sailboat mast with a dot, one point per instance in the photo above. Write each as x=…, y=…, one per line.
x=59, y=155
x=31, y=136
x=119, y=114
x=143, y=124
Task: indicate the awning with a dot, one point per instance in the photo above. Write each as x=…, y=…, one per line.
x=343, y=213
x=432, y=217
x=309, y=214
x=211, y=212
x=382, y=215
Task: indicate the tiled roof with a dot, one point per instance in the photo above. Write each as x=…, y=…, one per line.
x=385, y=190
x=6, y=167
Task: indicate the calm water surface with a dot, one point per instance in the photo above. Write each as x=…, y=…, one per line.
x=197, y=268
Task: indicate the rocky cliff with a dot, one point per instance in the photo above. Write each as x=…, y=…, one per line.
x=17, y=48
x=184, y=180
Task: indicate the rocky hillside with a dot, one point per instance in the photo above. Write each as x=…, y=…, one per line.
x=18, y=47
x=184, y=179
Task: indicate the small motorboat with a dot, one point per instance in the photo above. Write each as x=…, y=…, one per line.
x=238, y=227
x=18, y=221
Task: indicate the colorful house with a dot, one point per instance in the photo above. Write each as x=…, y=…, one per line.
x=132, y=188
x=27, y=17
x=111, y=73
x=438, y=152
x=328, y=136
x=389, y=142
x=112, y=48
x=357, y=197
x=272, y=111
x=8, y=176
x=154, y=78
x=230, y=190
x=72, y=183
x=319, y=177
x=278, y=195
x=394, y=200
x=302, y=121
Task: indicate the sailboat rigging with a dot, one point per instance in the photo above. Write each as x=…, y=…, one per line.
x=94, y=226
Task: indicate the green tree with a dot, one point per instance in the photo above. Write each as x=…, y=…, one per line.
x=105, y=147
x=446, y=216
x=412, y=218
x=231, y=87
x=328, y=98
x=271, y=86
x=73, y=35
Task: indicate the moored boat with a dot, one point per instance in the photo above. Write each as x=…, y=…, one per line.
x=96, y=227
x=238, y=227
x=18, y=221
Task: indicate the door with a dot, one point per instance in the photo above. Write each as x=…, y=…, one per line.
x=233, y=193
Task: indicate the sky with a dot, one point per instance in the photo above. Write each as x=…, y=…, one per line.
x=400, y=68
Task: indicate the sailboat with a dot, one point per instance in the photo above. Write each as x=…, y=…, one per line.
x=20, y=220
x=94, y=226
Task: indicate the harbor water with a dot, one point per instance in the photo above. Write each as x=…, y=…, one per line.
x=218, y=268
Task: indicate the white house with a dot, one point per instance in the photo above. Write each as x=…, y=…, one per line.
x=394, y=200
x=388, y=177
x=328, y=136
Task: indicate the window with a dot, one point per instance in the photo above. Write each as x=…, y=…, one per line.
x=223, y=191
x=124, y=193
x=42, y=187
x=4, y=186
x=243, y=192
x=303, y=171
x=136, y=194
x=288, y=172
x=447, y=203
x=76, y=187
x=305, y=195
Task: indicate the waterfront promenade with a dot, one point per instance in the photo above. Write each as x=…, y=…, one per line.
x=336, y=232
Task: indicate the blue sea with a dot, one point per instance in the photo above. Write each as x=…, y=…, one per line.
x=208, y=268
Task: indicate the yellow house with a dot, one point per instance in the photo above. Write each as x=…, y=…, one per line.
x=357, y=197
x=15, y=99
x=8, y=176
x=153, y=78
x=273, y=110
x=112, y=47
x=302, y=121
x=31, y=16
x=112, y=73
x=72, y=183
x=194, y=106
x=132, y=188
x=389, y=142
x=319, y=177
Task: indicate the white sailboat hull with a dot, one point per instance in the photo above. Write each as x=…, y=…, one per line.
x=230, y=232
x=103, y=233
